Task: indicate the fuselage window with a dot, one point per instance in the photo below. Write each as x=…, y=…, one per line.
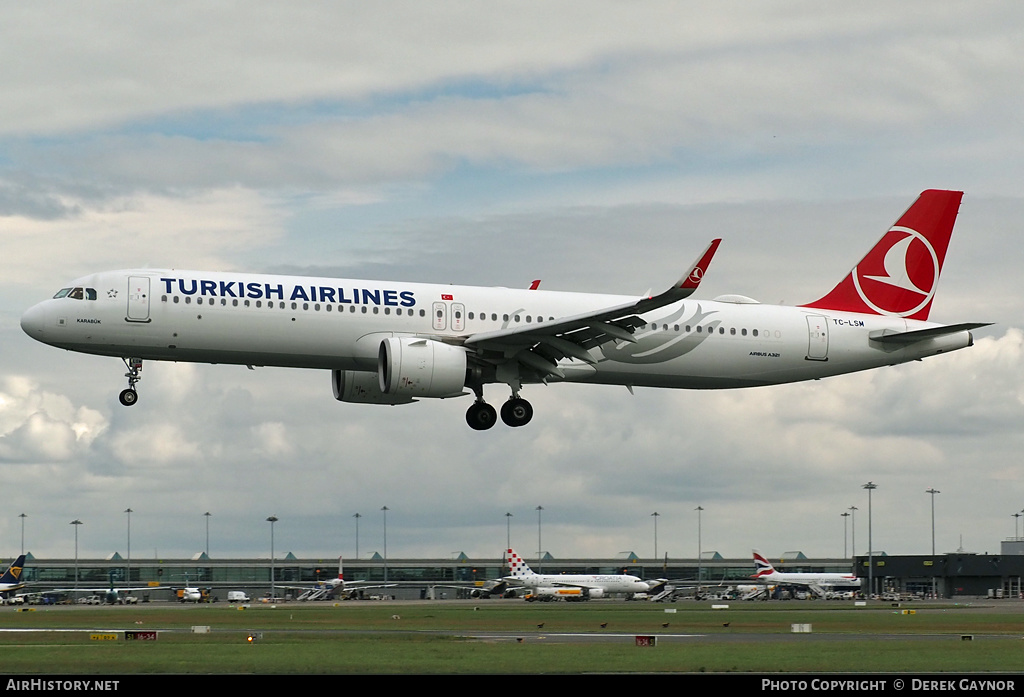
x=755, y=332
x=743, y=332
x=90, y=293
x=423, y=313
x=163, y=298
x=699, y=330
x=387, y=310
x=188, y=299
x=733, y=331
x=687, y=327
x=176, y=298
x=721, y=330
x=529, y=319
x=305, y=306
x=246, y=302
x=259, y=303
x=62, y=293
x=75, y=294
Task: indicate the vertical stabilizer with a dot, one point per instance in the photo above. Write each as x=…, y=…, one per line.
x=898, y=277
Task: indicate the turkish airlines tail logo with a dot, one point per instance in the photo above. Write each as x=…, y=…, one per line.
x=898, y=277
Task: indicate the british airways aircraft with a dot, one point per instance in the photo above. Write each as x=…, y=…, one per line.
x=396, y=343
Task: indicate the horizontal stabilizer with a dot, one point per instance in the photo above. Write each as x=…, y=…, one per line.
x=924, y=334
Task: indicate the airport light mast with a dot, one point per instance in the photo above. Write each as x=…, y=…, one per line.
x=870, y=486
x=272, y=519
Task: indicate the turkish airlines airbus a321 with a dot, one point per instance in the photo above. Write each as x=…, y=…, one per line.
x=395, y=343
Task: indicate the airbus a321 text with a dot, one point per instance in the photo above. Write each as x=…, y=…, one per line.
x=396, y=343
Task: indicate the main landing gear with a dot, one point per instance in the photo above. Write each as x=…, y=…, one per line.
x=129, y=396
x=515, y=412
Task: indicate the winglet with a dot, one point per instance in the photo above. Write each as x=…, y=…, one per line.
x=693, y=277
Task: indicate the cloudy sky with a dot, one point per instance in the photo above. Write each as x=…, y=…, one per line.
x=597, y=146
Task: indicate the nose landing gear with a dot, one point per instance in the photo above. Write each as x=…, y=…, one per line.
x=129, y=396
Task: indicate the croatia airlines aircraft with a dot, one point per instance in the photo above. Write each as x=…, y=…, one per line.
x=766, y=573
x=396, y=343
x=570, y=586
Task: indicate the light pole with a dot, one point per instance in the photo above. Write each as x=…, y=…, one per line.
x=933, y=492
x=540, y=561
x=76, y=522
x=870, y=486
x=207, y=516
x=128, y=571
x=357, y=516
x=385, y=510
x=655, y=515
x=22, y=516
x=700, y=570
x=1016, y=525
x=853, y=531
x=273, y=588
x=508, y=532
x=844, y=516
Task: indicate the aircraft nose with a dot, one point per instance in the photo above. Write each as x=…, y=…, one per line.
x=33, y=322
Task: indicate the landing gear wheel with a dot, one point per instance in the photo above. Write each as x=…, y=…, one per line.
x=516, y=412
x=128, y=397
x=481, y=416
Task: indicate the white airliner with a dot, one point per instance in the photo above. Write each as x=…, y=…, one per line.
x=819, y=583
x=570, y=586
x=337, y=587
x=396, y=343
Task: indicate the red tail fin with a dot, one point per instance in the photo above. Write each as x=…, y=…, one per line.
x=898, y=277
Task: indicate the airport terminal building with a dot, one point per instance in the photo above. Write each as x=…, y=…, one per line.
x=948, y=575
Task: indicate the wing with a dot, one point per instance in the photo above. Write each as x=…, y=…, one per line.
x=539, y=347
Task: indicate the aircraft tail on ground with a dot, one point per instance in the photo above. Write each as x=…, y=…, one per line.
x=762, y=567
x=518, y=567
x=898, y=277
x=13, y=573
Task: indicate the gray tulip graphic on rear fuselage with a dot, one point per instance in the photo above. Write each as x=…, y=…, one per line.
x=660, y=344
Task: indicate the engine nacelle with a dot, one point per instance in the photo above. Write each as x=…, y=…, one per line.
x=595, y=592
x=408, y=366
x=363, y=388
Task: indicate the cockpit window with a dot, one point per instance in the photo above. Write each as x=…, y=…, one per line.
x=77, y=293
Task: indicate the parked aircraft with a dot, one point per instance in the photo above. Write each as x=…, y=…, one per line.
x=395, y=343
x=570, y=586
x=336, y=587
x=820, y=584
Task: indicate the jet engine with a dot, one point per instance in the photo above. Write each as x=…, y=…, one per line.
x=363, y=388
x=409, y=366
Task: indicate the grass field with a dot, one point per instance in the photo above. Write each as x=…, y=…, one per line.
x=504, y=637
